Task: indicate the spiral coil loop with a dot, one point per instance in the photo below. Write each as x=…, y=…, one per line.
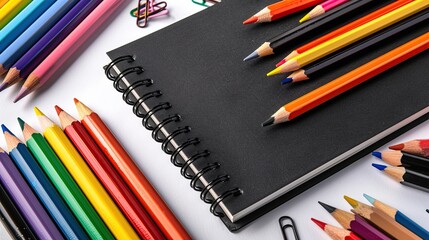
x=132, y=96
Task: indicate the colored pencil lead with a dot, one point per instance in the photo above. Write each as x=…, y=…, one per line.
x=328, y=208
x=11, y=78
x=379, y=166
x=369, y=198
x=319, y=223
x=354, y=203
x=305, y=18
x=253, y=55
x=3, y=86
x=268, y=122
x=252, y=19
x=25, y=90
x=376, y=154
x=281, y=62
x=287, y=80
x=427, y=210
x=21, y=123
x=397, y=146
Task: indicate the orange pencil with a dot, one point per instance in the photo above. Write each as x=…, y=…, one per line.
x=281, y=9
x=132, y=175
x=380, y=12
x=349, y=80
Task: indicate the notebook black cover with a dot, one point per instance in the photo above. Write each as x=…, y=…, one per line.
x=197, y=64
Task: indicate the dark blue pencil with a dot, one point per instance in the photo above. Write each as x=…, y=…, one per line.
x=43, y=188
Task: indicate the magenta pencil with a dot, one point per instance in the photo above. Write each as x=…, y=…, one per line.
x=70, y=45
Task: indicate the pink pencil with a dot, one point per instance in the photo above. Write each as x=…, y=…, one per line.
x=322, y=8
x=70, y=45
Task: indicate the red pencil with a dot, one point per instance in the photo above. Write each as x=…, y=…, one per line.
x=417, y=147
x=115, y=186
x=336, y=232
x=132, y=175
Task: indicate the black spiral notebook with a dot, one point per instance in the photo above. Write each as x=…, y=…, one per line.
x=205, y=106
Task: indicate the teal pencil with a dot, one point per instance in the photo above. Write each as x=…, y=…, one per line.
x=399, y=217
x=22, y=21
x=33, y=33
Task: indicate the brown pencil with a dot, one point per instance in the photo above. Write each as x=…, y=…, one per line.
x=381, y=220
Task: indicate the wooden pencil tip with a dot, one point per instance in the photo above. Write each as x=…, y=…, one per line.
x=2, y=70
x=397, y=147
x=319, y=223
x=76, y=101
x=11, y=78
x=3, y=86
x=21, y=94
x=58, y=109
x=5, y=129
x=351, y=201
x=252, y=19
x=327, y=207
x=268, y=122
x=38, y=112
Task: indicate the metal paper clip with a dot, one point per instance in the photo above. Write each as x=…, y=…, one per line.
x=151, y=10
x=206, y=3
x=286, y=222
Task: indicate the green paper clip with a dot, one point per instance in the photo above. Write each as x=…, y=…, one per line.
x=206, y=3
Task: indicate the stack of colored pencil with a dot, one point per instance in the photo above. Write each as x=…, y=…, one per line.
x=377, y=222
x=84, y=185
x=321, y=54
x=38, y=37
x=408, y=163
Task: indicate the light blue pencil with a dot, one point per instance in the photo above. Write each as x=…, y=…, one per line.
x=22, y=21
x=33, y=33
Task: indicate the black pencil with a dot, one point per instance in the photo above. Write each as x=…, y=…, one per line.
x=273, y=45
x=397, y=158
x=405, y=176
x=12, y=218
x=314, y=70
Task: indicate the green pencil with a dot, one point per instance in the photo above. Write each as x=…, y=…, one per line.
x=65, y=184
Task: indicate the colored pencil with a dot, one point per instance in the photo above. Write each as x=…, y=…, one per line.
x=31, y=59
x=10, y=10
x=130, y=172
x=399, y=217
x=108, y=176
x=381, y=220
x=397, y=158
x=350, y=37
x=355, y=223
x=3, y=2
x=427, y=210
x=9, y=213
x=373, y=15
x=336, y=233
x=312, y=71
x=86, y=180
x=26, y=201
x=417, y=147
x=22, y=21
x=64, y=183
x=68, y=47
x=33, y=33
x=322, y=9
x=349, y=80
x=275, y=44
x=405, y=176
x=280, y=9
x=43, y=188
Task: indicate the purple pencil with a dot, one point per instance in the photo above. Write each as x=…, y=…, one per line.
x=27, y=63
x=24, y=198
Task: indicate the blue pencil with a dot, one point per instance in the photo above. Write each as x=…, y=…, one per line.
x=399, y=217
x=22, y=21
x=33, y=33
x=43, y=188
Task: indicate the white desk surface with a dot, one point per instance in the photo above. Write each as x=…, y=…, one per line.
x=84, y=78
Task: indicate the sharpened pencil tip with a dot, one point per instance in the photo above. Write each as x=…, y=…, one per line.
x=305, y=18
x=58, y=109
x=379, y=166
x=280, y=63
x=268, y=122
x=21, y=123
x=319, y=223
x=351, y=201
x=274, y=72
x=38, y=112
x=5, y=129
x=76, y=101
x=287, y=80
x=253, y=55
x=397, y=147
x=22, y=93
x=252, y=19
x=369, y=198
x=327, y=207
x=376, y=154
x=3, y=86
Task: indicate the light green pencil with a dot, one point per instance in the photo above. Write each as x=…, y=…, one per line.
x=64, y=183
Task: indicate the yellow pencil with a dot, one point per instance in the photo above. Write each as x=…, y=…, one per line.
x=3, y=2
x=10, y=10
x=86, y=180
x=350, y=37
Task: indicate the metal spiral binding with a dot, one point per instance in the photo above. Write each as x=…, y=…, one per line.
x=165, y=141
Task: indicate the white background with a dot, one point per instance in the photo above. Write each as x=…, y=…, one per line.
x=84, y=78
